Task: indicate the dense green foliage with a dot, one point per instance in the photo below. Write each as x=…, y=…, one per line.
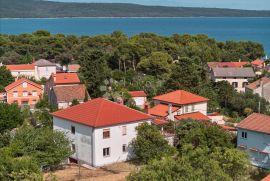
x=150, y=144
x=112, y=65
x=5, y=78
x=206, y=152
x=202, y=135
x=10, y=117
x=42, y=9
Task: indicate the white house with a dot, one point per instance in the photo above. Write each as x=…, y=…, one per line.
x=39, y=69
x=253, y=136
x=100, y=130
x=261, y=87
x=139, y=97
x=178, y=105
x=237, y=77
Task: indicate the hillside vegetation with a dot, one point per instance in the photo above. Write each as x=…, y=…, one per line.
x=49, y=9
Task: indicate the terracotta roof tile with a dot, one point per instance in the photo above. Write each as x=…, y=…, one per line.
x=70, y=92
x=20, y=81
x=256, y=84
x=267, y=178
x=195, y=115
x=137, y=93
x=66, y=78
x=160, y=121
x=21, y=67
x=161, y=110
x=180, y=97
x=257, y=62
x=256, y=122
x=227, y=64
x=74, y=67
x=100, y=112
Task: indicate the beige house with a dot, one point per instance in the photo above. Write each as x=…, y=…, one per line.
x=261, y=87
x=237, y=77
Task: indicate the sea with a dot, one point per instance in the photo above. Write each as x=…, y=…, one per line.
x=221, y=29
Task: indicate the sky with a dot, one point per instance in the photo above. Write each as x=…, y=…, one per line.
x=233, y=4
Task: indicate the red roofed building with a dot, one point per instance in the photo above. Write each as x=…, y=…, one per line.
x=178, y=105
x=253, y=135
x=23, y=92
x=101, y=130
x=70, y=80
x=139, y=97
x=267, y=178
x=261, y=87
x=227, y=64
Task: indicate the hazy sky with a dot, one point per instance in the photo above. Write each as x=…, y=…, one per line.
x=235, y=4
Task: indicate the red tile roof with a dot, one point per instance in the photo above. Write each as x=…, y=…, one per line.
x=227, y=64
x=137, y=93
x=160, y=122
x=228, y=128
x=195, y=115
x=67, y=93
x=100, y=112
x=256, y=84
x=66, y=78
x=257, y=62
x=180, y=97
x=21, y=67
x=161, y=110
x=256, y=122
x=20, y=81
x=267, y=178
x=74, y=67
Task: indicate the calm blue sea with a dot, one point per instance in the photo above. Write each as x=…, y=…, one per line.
x=256, y=29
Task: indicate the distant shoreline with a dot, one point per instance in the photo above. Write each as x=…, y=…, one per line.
x=155, y=17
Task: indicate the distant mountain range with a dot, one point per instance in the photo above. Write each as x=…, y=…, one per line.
x=49, y=9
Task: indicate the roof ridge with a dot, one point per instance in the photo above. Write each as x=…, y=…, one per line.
x=99, y=109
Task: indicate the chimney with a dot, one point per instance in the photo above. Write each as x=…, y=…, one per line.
x=54, y=77
x=146, y=108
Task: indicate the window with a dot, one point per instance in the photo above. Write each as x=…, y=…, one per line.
x=244, y=84
x=193, y=108
x=224, y=78
x=106, y=133
x=106, y=152
x=244, y=134
x=24, y=84
x=124, y=148
x=15, y=94
x=34, y=93
x=73, y=129
x=235, y=84
x=124, y=130
x=25, y=93
x=73, y=148
x=186, y=109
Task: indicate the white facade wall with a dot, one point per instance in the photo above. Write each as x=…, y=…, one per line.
x=140, y=101
x=64, y=105
x=44, y=71
x=115, y=142
x=89, y=141
x=240, y=82
x=27, y=73
x=259, y=141
x=82, y=138
x=266, y=91
x=198, y=107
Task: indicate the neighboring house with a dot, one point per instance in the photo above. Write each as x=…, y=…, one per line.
x=73, y=68
x=179, y=105
x=139, y=97
x=267, y=178
x=100, y=130
x=61, y=80
x=237, y=77
x=62, y=96
x=253, y=136
x=261, y=87
x=39, y=69
x=3, y=96
x=24, y=92
x=239, y=64
x=258, y=65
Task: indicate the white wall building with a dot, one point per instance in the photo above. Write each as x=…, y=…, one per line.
x=139, y=97
x=253, y=136
x=237, y=77
x=261, y=87
x=100, y=130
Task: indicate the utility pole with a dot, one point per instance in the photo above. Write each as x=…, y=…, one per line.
x=261, y=95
